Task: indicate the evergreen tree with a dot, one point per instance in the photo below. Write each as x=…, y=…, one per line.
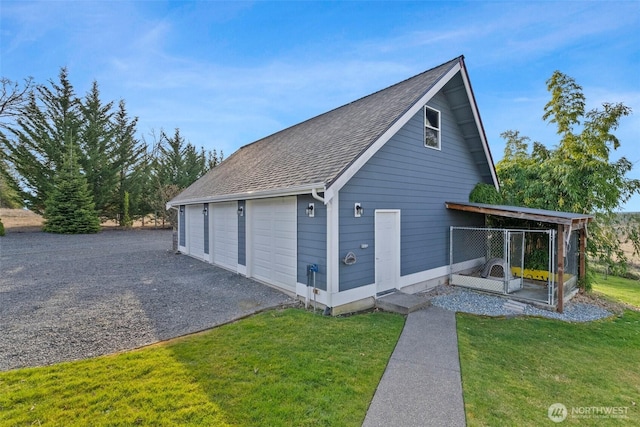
x=126, y=218
x=69, y=209
x=34, y=146
x=96, y=144
x=131, y=168
x=177, y=165
x=9, y=197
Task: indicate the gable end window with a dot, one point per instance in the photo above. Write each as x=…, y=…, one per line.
x=431, y=128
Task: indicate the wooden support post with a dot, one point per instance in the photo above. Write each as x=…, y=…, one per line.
x=560, y=275
x=583, y=253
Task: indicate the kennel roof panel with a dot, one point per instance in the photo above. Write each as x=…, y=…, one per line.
x=575, y=220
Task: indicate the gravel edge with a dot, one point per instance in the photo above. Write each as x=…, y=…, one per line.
x=579, y=309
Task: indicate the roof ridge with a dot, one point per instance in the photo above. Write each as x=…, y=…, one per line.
x=458, y=58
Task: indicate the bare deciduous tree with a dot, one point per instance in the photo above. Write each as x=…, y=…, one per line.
x=13, y=96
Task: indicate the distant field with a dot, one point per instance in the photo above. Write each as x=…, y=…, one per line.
x=20, y=220
x=634, y=262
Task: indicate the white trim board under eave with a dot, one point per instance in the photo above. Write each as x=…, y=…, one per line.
x=379, y=143
x=263, y=194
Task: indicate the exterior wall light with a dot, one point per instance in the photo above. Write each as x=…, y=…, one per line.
x=204, y=210
x=310, y=211
x=358, y=210
x=241, y=211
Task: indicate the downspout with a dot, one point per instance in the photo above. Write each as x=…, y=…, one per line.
x=315, y=195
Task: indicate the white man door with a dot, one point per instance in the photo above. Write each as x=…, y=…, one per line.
x=387, y=249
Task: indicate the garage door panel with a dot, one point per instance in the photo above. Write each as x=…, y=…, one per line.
x=225, y=235
x=274, y=233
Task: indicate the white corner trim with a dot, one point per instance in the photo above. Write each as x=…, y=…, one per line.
x=302, y=290
x=333, y=246
x=373, y=149
x=242, y=269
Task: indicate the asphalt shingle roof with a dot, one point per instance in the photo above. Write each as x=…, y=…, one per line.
x=316, y=150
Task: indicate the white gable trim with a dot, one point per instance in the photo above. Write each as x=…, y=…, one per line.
x=483, y=137
x=379, y=143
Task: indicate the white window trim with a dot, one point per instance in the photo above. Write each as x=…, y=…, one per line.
x=427, y=126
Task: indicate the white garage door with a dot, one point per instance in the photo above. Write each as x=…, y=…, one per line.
x=195, y=231
x=224, y=223
x=272, y=240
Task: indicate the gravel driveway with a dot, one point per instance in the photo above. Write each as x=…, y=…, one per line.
x=72, y=297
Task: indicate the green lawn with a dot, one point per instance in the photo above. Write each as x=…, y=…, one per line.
x=279, y=368
x=619, y=289
x=514, y=369
x=294, y=368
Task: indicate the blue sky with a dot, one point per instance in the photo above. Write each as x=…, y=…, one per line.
x=228, y=73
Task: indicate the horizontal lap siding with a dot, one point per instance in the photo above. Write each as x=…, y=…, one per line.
x=312, y=240
x=406, y=175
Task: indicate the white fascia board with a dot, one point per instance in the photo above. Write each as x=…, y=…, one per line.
x=379, y=143
x=483, y=137
x=264, y=194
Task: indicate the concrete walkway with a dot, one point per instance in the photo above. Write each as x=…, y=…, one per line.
x=421, y=385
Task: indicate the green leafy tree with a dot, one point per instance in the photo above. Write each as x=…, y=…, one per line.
x=69, y=209
x=485, y=193
x=578, y=174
